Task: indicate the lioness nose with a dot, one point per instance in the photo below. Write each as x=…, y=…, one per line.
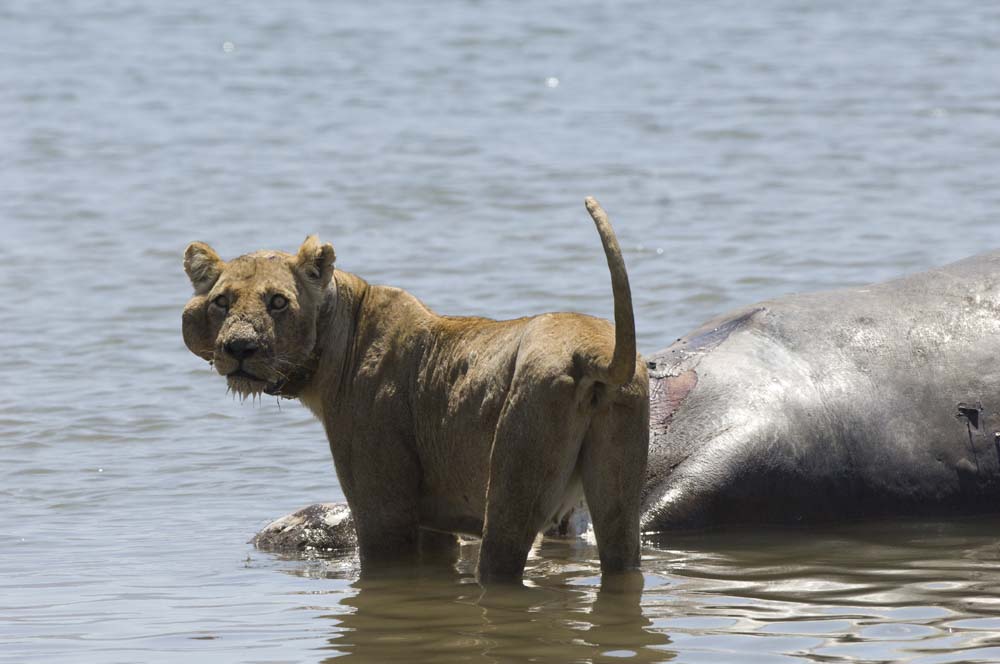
x=241, y=348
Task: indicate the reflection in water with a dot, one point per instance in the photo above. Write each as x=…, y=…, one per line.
x=443, y=618
x=440, y=614
x=911, y=591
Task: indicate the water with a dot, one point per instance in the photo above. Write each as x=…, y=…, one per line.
x=743, y=150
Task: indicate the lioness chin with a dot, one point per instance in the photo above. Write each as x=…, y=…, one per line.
x=462, y=425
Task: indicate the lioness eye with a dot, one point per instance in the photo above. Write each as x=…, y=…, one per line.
x=279, y=302
x=222, y=302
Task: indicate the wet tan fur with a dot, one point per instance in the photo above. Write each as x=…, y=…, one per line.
x=454, y=424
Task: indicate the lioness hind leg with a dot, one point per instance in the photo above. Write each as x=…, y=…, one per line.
x=535, y=449
x=613, y=466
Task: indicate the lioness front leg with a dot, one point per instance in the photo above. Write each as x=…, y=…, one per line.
x=381, y=482
x=535, y=450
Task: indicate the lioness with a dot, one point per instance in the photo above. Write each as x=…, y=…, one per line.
x=461, y=425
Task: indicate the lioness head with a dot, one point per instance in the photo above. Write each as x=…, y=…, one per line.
x=255, y=317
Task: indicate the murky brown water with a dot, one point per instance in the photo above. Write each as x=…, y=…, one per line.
x=743, y=150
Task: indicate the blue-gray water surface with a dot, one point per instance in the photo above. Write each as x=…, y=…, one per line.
x=744, y=150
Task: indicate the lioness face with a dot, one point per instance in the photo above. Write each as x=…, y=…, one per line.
x=254, y=318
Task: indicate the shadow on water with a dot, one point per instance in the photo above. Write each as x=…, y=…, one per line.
x=903, y=591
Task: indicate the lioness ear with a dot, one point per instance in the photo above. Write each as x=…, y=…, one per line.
x=315, y=260
x=203, y=266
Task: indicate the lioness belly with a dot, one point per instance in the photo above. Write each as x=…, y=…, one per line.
x=445, y=513
x=453, y=487
x=457, y=413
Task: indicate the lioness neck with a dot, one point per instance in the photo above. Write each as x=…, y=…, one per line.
x=335, y=327
x=360, y=325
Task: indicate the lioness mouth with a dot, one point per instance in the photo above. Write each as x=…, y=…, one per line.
x=245, y=384
x=240, y=373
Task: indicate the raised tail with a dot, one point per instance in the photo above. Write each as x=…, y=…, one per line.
x=622, y=366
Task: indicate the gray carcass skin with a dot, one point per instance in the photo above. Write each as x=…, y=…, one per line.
x=865, y=402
